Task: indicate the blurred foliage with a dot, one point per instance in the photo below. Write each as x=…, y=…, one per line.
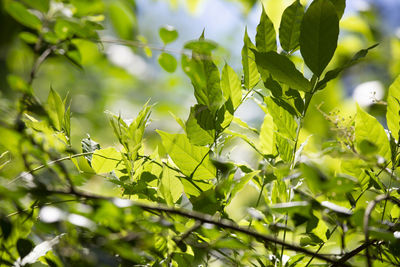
x=272, y=167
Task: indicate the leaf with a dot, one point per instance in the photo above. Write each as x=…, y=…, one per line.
x=56, y=109
x=122, y=19
x=202, y=46
x=250, y=74
x=205, y=78
x=340, y=6
x=283, y=120
x=267, y=140
x=230, y=85
x=242, y=182
x=291, y=207
x=21, y=14
x=19, y=84
x=42, y=5
x=168, y=34
x=167, y=62
x=106, y=160
x=28, y=37
x=192, y=160
x=289, y=30
x=88, y=145
x=282, y=70
x=200, y=126
x=39, y=251
x=24, y=246
x=369, y=129
x=319, y=34
x=336, y=208
x=266, y=36
x=393, y=109
x=170, y=187
x=332, y=74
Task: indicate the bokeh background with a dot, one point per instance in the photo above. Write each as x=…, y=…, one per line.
x=121, y=77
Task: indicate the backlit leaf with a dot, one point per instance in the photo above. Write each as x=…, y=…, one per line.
x=393, y=109
x=167, y=62
x=106, y=160
x=266, y=36
x=21, y=14
x=168, y=34
x=192, y=160
x=367, y=128
x=231, y=87
x=250, y=73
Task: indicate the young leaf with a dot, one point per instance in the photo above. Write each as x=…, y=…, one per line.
x=289, y=30
x=106, y=160
x=368, y=129
x=250, y=74
x=200, y=126
x=168, y=34
x=393, y=109
x=122, y=19
x=231, y=87
x=266, y=36
x=282, y=70
x=319, y=34
x=167, y=62
x=192, y=160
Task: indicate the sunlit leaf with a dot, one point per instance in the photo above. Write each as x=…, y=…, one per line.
x=20, y=13
x=250, y=74
x=168, y=34
x=192, y=160
x=167, y=62
x=266, y=36
x=367, y=128
x=170, y=187
x=230, y=85
x=106, y=160
x=393, y=109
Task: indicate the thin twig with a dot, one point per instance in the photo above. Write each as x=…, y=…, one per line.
x=204, y=218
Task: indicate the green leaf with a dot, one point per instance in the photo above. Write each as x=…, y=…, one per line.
x=284, y=122
x=28, y=37
x=393, y=109
x=336, y=208
x=319, y=34
x=240, y=184
x=56, y=109
x=167, y=62
x=250, y=74
x=200, y=126
x=367, y=128
x=205, y=78
x=122, y=19
x=192, y=160
x=340, y=6
x=202, y=46
x=291, y=207
x=267, y=140
x=19, y=84
x=106, y=160
x=170, y=187
x=289, y=30
x=282, y=70
x=168, y=34
x=231, y=87
x=41, y=5
x=21, y=14
x=266, y=36
x=332, y=74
